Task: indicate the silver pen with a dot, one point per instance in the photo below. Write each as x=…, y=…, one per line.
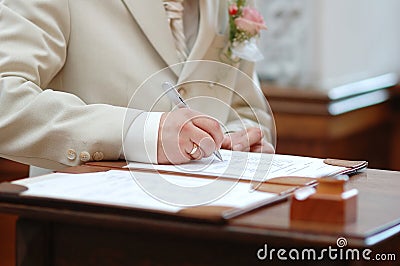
x=176, y=98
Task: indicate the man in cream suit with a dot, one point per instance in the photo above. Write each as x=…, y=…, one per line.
x=75, y=87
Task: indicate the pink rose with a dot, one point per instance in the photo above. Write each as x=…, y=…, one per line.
x=251, y=21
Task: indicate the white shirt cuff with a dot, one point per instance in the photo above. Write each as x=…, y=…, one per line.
x=140, y=144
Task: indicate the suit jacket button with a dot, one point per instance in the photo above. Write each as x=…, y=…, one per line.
x=98, y=156
x=84, y=156
x=71, y=154
x=182, y=91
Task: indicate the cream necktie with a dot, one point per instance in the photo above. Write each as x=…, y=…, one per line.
x=174, y=10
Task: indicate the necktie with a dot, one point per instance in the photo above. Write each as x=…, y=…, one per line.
x=174, y=10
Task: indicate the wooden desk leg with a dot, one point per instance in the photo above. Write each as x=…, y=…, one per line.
x=395, y=146
x=33, y=242
x=7, y=239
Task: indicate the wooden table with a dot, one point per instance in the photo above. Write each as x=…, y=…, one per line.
x=9, y=171
x=72, y=235
x=358, y=121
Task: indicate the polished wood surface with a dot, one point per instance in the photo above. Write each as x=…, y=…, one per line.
x=75, y=236
x=7, y=239
x=9, y=170
x=318, y=123
x=377, y=208
x=395, y=141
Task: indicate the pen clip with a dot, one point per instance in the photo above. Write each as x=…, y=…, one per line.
x=174, y=95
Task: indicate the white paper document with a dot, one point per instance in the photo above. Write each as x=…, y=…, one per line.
x=168, y=193
x=249, y=166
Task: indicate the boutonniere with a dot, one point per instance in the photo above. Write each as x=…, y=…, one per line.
x=245, y=24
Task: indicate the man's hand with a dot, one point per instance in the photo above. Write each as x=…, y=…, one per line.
x=250, y=139
x=181, y=131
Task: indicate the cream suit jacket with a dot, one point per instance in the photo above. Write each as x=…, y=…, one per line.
x=70, y=68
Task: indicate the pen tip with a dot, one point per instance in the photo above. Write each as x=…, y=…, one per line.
x=218, y=155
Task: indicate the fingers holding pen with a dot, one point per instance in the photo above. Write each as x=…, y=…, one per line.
x=250, y=139
x=185, y=134
x=214, y=135
x=203, y=140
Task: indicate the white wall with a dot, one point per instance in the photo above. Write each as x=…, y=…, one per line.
x=344, y=41
x=288, y=42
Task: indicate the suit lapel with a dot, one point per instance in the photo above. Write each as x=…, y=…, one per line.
x=150, y=15
x=208, y=17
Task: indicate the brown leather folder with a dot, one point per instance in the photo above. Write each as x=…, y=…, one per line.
x=280, y=185
x=283, y=187
x=11, y=194
x=351, y=166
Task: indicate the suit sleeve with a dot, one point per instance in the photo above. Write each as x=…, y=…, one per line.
x=39, y=126
x=249, y=106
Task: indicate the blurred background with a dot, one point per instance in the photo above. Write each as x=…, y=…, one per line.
x=330, y=73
